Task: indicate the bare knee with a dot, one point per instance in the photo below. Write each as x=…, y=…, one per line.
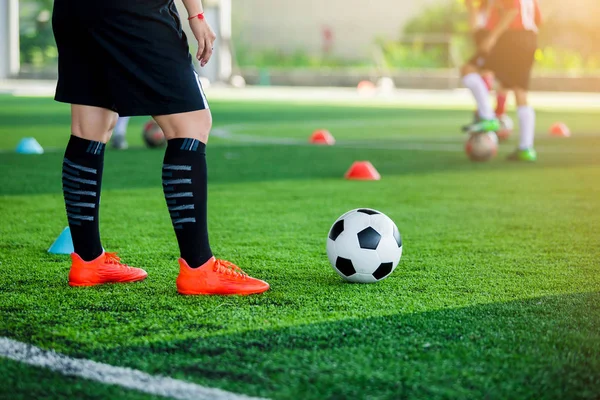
x=92, y=123
x=520, y=97
x=468, y=69
x=194, y=124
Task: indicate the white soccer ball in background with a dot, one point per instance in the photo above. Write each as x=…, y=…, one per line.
x=237, y=81
x=482, y=146
x=364, y=246
x=153, y=135
x=385, y=84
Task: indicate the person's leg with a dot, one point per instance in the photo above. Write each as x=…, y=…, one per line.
x=180, y=107
x=501, y=97
x=526, y=115
x=185, y=181
x=518, y=74
x=473, y=80
x=121, y=126
x=185, y=187
x=488, y=78
x=486, y=121
x=82, y=182
x=82, y=175
x=118, y=140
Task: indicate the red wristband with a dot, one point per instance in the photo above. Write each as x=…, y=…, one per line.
x=199, y=16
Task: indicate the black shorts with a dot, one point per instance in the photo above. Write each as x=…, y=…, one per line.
x=478, y=60
x=129, y=56
x=511, y=59
x=479, y=35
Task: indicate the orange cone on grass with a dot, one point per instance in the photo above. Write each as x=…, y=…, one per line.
x=362, y=170
x=560, y=129
x=366, y=87
x=322, y=136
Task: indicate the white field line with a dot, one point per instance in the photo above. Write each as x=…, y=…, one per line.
x=111, y=375
x=442, y=144
x=406, y=143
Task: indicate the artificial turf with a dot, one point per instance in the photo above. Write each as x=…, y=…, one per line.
x=24, y=382
x=496, y=295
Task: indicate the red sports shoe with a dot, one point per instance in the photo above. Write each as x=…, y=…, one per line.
x=217, y=277
x=107, y=268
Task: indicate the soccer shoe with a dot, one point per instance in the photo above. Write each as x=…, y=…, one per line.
x=118, y=142
x=217, y=277
x=476, y=119
x=484, y=125
x=528, y=155
x=107, y=268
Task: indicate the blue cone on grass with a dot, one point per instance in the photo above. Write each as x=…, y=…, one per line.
x=29, y=146
x=63, y=244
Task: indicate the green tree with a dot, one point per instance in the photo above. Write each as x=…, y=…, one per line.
x=38, y=47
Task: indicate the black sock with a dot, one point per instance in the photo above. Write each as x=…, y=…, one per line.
x=81, y=182
x=185, y=186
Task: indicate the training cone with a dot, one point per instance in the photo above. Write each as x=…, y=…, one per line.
x=29, y=146
x=559, y=129
x=364, y=171
x=322, y=136
x=366, y=87
x=63, y=244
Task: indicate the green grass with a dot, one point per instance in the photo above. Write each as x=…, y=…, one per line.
x=23, y=382
x=497, y=294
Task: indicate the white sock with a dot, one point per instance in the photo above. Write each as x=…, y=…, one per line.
x=526, y=127
x=475, y=83
x=121, y=126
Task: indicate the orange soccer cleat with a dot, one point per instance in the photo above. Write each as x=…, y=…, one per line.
x=217, y=277
x=107, y=268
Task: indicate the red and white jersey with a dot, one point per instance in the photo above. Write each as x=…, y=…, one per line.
x=481, y=7
x=529, y=17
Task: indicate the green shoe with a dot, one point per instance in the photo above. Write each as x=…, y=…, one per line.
x=482, y=126
x=523, y=155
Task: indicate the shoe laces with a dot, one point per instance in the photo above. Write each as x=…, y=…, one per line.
x=113, y=259
x=225, y=267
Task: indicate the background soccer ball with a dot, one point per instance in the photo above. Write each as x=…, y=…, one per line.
x=482, y=146
x=152, y=134
x=364, y=246
x=506, y=128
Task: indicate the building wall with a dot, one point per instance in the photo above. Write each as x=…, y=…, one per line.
x=9, y=38
x=290, y=25
x=585, y=12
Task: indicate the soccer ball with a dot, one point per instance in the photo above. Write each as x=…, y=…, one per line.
x=237, y=81
x=153, y=136
x=364, y=246
x=482, y=146
x=506, y=127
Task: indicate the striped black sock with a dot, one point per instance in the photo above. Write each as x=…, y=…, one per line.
x=185, y=186
x=81, y=182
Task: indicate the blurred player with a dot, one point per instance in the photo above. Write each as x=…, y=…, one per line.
x=508, y=51
x=473, y=73
x=138, y=63
x=478, y=20
x=118, y=140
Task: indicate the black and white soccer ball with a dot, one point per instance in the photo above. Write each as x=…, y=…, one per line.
x=364, y=246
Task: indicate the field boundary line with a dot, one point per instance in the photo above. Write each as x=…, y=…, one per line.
x=111, y=375
x=232, y=133
x=435, y=144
